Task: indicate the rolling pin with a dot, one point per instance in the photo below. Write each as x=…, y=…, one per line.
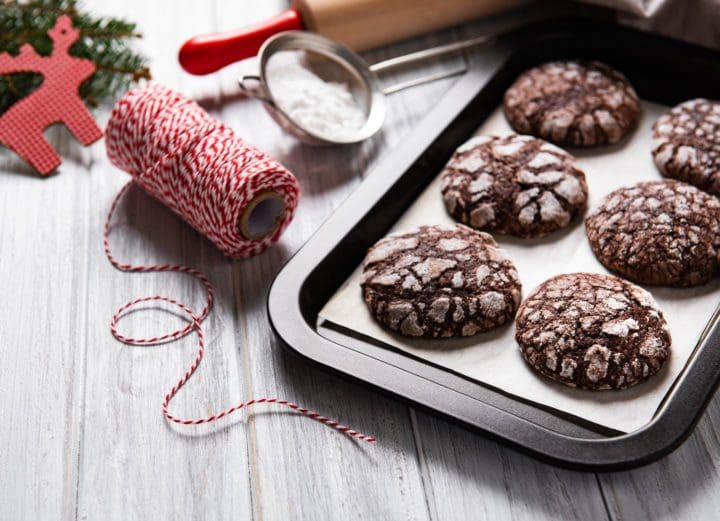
x=359, y=24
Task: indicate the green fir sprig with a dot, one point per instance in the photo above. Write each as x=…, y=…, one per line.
x=105, y=41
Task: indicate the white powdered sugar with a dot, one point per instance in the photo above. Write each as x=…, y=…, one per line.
x=325, y=108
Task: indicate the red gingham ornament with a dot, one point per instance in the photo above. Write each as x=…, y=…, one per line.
x=56, y=100
x=206, y=174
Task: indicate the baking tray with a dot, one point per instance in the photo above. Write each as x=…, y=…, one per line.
x=661, y=70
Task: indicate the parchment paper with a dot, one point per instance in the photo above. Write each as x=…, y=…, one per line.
x=494, y=357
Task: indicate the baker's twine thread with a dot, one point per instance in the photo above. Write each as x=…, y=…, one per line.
x=200, y=169
x=195, y=321
x=197, y=166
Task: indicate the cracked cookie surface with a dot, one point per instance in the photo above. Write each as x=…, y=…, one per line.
x=686, y=144
x=580, y=103
x=658, y=232
x=513, y=184
x=592, y=331
x=440, y=281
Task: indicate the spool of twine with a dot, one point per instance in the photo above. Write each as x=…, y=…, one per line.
x=234, y=194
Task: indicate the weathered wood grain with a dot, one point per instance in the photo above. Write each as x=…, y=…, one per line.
x=44, y=239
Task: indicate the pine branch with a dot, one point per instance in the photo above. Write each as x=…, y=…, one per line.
x=106, y=41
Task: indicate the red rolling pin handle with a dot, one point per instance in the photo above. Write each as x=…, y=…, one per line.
x=208, y=53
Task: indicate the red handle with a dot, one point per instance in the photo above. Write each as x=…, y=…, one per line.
x=211, y=52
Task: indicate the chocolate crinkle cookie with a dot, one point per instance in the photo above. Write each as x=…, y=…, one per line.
x=513, y=184
x=658, y=232
x=592, y=331
x=581, y=103
x=686, y=144
x=440, y=281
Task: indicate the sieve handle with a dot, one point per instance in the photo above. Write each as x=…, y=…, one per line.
x=425, y=54
x=252, y=86
x=211, y=52
x=424, y=79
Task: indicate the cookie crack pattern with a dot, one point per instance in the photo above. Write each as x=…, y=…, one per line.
x=440, y=281
x=513, y=184
x=592, y=331
x=658, y=232
x=686, y=144
x=581, y=103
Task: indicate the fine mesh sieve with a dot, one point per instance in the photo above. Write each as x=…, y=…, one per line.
x=338, y=67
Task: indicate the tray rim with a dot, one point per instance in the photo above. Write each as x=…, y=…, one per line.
x=672, y=424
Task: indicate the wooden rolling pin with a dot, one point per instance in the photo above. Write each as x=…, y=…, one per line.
x=359, y=24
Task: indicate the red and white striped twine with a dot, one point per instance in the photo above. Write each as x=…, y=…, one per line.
x=200, y=169
x=196, y=166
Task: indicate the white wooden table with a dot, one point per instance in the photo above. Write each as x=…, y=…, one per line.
x=81, y=432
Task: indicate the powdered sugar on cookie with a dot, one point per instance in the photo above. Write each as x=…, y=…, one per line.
x=523, y=186
x=658, y=232
x=573, y=102
x=456, y=282
x=686, y=144
x=592, y=331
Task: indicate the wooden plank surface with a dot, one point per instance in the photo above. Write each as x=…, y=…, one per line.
x=44, y=242
x=82, y=433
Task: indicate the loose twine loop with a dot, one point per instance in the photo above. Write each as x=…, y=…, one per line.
x=193, y=178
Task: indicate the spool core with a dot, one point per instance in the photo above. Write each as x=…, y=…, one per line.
x=262, y=216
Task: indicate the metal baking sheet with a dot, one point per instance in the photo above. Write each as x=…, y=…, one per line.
x=664, y=72
x=493, y=358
